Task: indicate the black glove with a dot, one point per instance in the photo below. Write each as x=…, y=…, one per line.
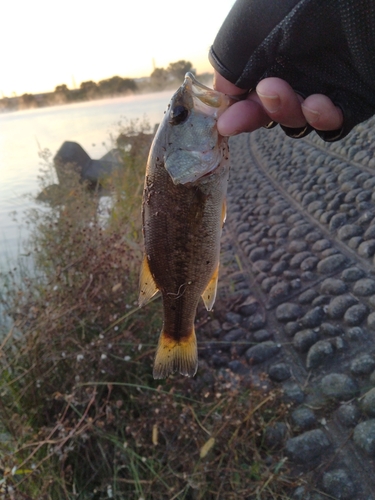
x=317, y=46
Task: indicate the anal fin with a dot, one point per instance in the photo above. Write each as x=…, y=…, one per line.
x=209, y=295
x=176, y=356
x=147, y=285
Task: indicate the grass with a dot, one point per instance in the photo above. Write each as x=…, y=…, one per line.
x=80, y=415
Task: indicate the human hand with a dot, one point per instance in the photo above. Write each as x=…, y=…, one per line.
x=275, y=100
x=324, y=50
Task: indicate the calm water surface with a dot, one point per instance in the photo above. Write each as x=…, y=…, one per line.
x=24, y=133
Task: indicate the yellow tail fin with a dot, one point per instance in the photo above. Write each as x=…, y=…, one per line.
x=176, y=355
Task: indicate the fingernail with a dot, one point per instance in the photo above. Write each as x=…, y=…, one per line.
x=310, y=115
x=270, y=102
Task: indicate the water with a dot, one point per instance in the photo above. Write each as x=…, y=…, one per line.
x=24, y=133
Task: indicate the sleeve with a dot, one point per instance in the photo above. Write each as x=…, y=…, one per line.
x=317, y=46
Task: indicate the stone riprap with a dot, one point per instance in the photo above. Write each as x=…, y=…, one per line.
x=298, y=281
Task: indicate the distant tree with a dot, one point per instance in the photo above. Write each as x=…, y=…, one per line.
x=61, y=88
x=117, y=85
x=61, y=94
x=159, y=79
x=89, y=90
x=27, y=101
x=178, y=69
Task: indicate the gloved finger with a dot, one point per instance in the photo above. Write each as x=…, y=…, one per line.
x=281, y=102
x=321, y=113
x=243, y=116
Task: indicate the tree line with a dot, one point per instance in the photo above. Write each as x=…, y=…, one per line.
x=160, y=79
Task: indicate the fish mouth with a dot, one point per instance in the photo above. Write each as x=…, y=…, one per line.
x=217, y=102
x=195, y=144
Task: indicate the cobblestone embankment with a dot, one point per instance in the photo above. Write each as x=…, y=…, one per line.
x=298, y=269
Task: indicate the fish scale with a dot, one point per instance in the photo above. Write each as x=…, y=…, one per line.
x=183, y=212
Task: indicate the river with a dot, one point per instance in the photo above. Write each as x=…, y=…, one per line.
x=24, y=133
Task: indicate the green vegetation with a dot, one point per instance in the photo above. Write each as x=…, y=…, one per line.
x=80, y=415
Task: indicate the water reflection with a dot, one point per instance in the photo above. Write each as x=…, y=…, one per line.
x=26, y=132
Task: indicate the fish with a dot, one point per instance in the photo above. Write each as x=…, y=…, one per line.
x=183, y=212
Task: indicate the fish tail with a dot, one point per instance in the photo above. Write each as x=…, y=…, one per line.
x=176, y=355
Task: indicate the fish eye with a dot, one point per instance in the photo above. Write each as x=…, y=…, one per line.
x=178, y=115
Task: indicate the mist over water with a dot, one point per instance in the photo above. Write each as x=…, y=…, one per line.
x=24, y=133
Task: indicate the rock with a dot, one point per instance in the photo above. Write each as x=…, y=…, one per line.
x=288, y=311
x=274, y=435
x=248, y=307
x=308, y=296
x=331, y=264
x=233, y=318
x=262, y=336
x=362, y=365
x=364, y=287
x=309, y=264
x=348, y=231
x=299, y=231
x=268, y=283
x=237, y=367
x=304, y=339
x=278, y=268
x=90, y=170
x=367, y=248
x=307, y=447
x=352, y=274
x=348, y=414
x=279, y=372
x=339, y=386
x=339, y=305
x=319, y=353
x=297, y=246
x=371, y=321
x=232, y=336
x=293, y=392
x=279, y=292
x=313, y=318
x=321, y=300
x=298, y=259
x=255, y=321
x=356, y=333
x=333, y=286
x=337, y=221
x=338, y=484
x=219, y=360
x=263, y=266
x=370, y=233
x=364, y=436
x=257, y=254
x=368, y=403
x=321, y=245
x=303, y=418
x=356, y=314
x=262, y=352
x=330, y=330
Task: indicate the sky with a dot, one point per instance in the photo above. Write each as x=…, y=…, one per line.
x=44, y=44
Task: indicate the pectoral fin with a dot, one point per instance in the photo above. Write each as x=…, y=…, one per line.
x=147, y=286
x=223, y=212
x=209, y=294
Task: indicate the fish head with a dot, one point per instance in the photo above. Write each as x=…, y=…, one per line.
x=193, y=146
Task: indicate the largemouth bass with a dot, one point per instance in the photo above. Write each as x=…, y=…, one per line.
x=183, y=212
